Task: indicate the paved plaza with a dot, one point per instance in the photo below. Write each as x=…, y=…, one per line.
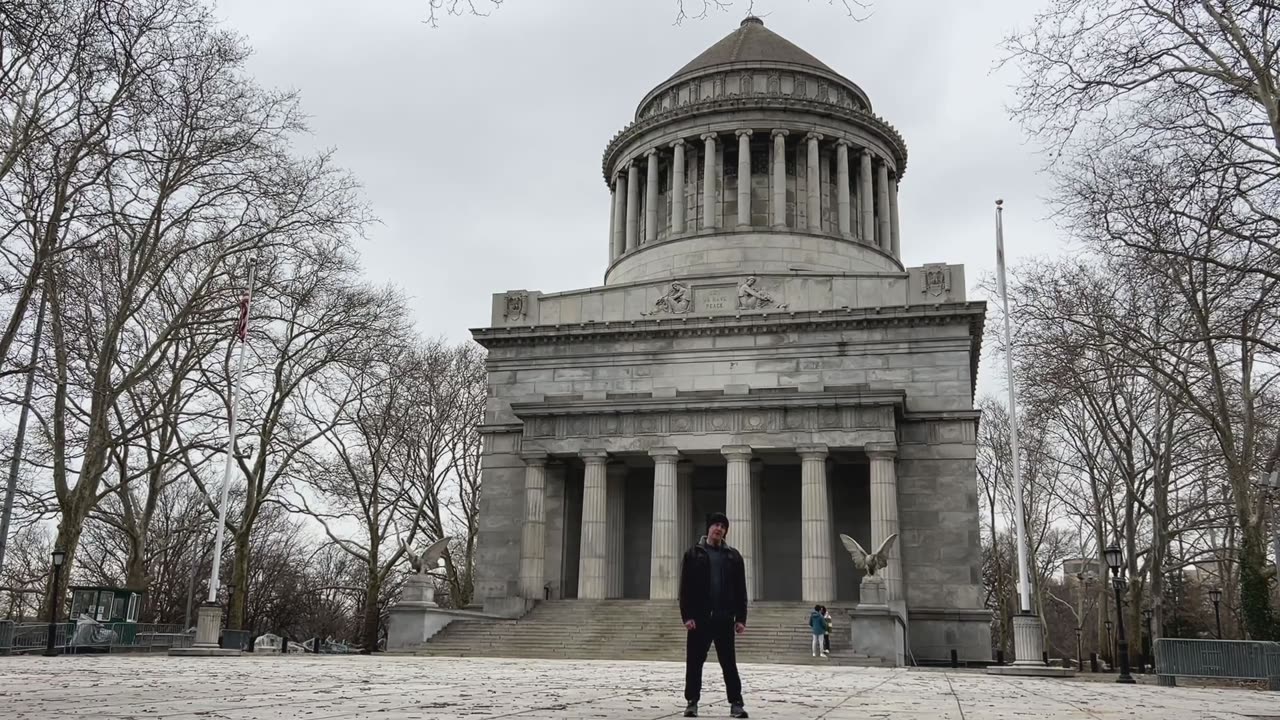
x=392, y=688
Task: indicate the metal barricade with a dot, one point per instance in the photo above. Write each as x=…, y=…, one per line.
x=6, y=636
x=1227, y=659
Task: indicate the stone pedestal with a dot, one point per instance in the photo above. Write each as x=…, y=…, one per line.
x=1028, y=652
x=208, y=630
x=874, y=632
x=408, y=626
x=872, y=593
x=418, y=590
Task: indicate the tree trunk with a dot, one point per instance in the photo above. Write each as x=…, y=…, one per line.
x=1255, y=591
x=240, y=581
x=371, y=616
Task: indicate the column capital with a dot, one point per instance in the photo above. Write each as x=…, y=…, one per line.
x=740, y=453
x=594, y=456
x=710, y=136
x=814, y=136
x=664, y=454
x=677, y=144
x=651, y=152
x=812, y=452
x=536, y=458
x=779, y=132
x=741, y=133
x=844, y=143
x=881, y=451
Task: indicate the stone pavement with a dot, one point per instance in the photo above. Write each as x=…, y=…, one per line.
x=398, y=688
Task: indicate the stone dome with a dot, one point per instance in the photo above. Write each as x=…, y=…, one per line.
x=823, y=169
x=751, y=42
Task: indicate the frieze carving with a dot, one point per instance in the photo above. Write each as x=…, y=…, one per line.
x=753, y=297
x=937, y=280
x=748, y=420
x=677, y=301
x=516, y=307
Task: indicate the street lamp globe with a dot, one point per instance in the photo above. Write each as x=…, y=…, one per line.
x=1215, y=595
x=59, y=556
x=1115, y=557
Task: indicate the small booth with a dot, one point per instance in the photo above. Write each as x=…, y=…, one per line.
x=115, y=608
x=106, y=604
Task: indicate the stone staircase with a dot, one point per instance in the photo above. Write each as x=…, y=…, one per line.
x=638, y=630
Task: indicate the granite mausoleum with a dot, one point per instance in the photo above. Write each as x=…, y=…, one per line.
x=757, y=347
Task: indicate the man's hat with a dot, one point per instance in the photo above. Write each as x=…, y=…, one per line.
x=717, y=517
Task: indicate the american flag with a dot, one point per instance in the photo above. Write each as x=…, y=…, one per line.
x=242, y=324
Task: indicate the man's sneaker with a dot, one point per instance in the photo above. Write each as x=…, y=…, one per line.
x=737, y=711
x=692, y=710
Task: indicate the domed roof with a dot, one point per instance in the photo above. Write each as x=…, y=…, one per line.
x=752, y=42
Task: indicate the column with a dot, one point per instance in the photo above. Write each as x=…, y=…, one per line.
x=757, y=488
x=677, y=189
x=780, y=178
x=533, y=533
x=633, y=206
x=864, y=195
x=592, y=551
x=744, y=178
x=709, y=181
x=664, y=558
x=619, y=215
x=738, y=508
x=811, y=182
x=616, y=519
x=894, y=245
x=882, y=204
x=684, y=504
x=613, y=211
x=842, y=186
x=884, y=513
x=817, y=572
x=651, y=196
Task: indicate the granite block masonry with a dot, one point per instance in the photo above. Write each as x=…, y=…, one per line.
x=756, y=347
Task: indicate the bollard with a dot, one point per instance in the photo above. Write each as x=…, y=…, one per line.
x=1045, y=657
x=317, y=643
x=999, y=657
x=955, y=661
x=1093, y=662
x=284, y=644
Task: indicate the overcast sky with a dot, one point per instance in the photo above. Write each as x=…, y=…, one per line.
x=479, y=143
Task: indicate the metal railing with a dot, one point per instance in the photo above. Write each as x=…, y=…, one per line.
x=107, y=637
x=1227, y=659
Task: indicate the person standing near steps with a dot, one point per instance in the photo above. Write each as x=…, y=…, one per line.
x=713, y=607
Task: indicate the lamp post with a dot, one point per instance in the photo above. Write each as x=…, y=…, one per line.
x=1079, y=652
x=58, y=558
x=1115, y=560
x=1216, y=596
x=1111, y=645
x=1151, y=639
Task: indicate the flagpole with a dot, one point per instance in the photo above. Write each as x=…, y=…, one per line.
x=1024, y=577
x=241, y=336
x=1028, y=642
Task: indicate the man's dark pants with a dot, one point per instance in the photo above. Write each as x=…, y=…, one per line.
x=720, y=632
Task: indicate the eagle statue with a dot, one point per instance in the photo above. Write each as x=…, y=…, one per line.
x=868, y=562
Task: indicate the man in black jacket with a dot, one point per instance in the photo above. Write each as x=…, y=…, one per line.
x=713, y=606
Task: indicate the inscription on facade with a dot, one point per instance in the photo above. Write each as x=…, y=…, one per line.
x=715, y=299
